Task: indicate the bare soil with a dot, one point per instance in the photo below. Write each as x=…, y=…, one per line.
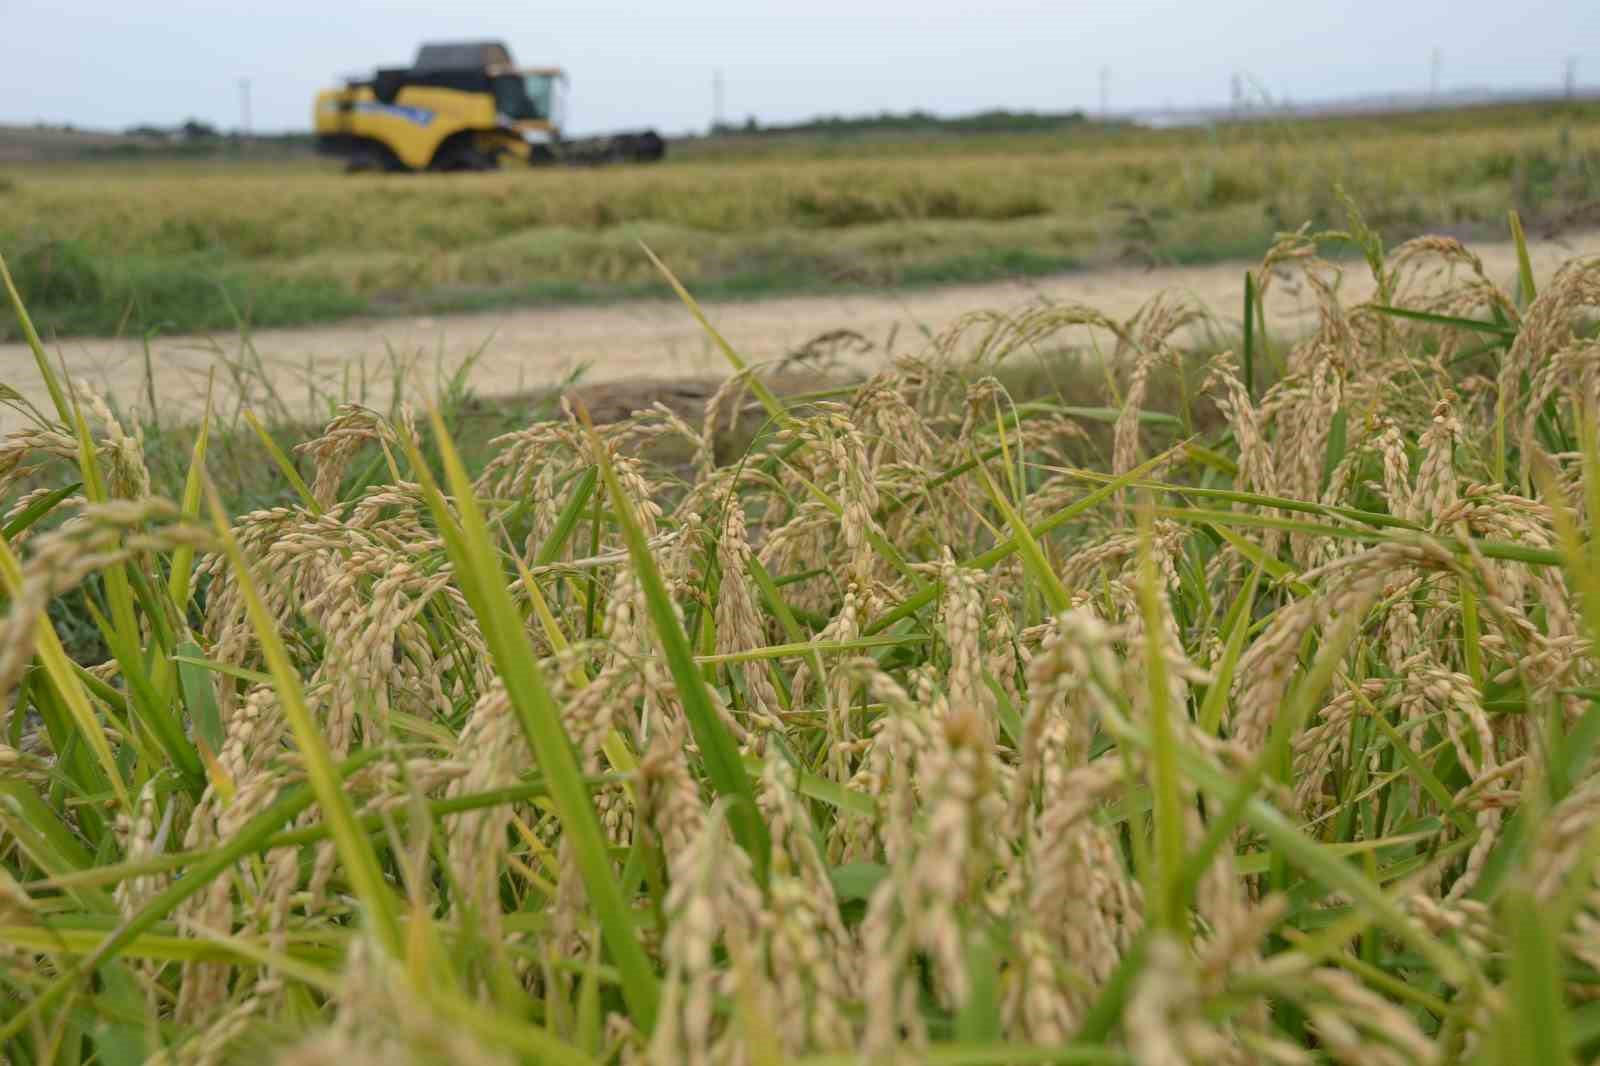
x=640, y=350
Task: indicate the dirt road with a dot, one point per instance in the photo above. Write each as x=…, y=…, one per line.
x=532, y=348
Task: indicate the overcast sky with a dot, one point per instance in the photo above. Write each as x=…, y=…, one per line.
x=114, y=63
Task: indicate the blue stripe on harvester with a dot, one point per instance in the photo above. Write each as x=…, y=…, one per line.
x=421, y=116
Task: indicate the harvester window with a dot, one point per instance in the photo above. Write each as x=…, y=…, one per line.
x=524, y=97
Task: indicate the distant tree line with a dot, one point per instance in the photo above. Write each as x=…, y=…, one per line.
x=190, y=130
x=196, y=137
x=995, y=121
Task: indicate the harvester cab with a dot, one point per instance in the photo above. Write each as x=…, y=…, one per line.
x=462, y=106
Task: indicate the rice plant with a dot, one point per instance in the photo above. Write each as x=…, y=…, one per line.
x=913, y=734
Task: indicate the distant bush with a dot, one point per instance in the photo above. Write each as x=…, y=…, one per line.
x=195, y=130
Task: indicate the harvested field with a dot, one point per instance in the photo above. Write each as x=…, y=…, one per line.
x=177, y=248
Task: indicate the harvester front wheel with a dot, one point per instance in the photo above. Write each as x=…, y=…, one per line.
x=463, y=155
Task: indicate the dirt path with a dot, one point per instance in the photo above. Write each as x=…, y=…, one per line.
x=526, y=349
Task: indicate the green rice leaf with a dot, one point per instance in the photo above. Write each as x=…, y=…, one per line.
x=724, y=769
x=471, y=550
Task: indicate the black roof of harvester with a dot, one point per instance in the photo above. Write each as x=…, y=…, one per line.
x=462, y=55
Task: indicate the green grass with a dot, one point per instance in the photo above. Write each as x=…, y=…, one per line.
x=165, y=294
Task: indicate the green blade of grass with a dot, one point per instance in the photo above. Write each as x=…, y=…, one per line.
x=1337, y=441
x=774, y=406
x=124, y=634
x=156, y=712
x=979, y=1020
x=58, y=395
x=1109, y=415
x=1165, y=786
x=1038, y=567
x=112, y=873
x=550, y=550
x=777, y=605
x=498, y=1029
x=198, y=695
x=1425, y=777
x=1253, y=499
x=36, y=510
x=189, y=655
x=1489, y=548
x=1235, y=625
x=773, y=599
x=471, y=550
x=178, y=584
x=361, y=865
x=49, y=843
x=724, y=769
x=1297, y=849
x=1477, y=325
x=58, y=667
x=1533, y=1026
x=1527, y=289
x=164, y=947
x=917, y=601
x=1338, y=875
x=1001, y=1053
x=1249, y=336
x=1103, y=1015
x=283, y=463
x=892, y=555
x=805, y=647
x=812, y=786
x=208, y=869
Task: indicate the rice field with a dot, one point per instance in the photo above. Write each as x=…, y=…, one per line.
x=125, y=248
x=939, y=723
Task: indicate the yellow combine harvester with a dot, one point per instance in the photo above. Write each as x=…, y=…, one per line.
x=462, y=107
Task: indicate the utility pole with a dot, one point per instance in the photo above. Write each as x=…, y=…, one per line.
x=1236, y=94
x=1433, y=78
x=1572, y=77
x=1105, y=93
x=244, y=106
x=716, y=100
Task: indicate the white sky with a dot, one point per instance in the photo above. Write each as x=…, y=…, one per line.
x=113, y=63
